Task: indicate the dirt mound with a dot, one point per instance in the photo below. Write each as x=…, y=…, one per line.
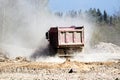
x=102, y=52
x=107, y=47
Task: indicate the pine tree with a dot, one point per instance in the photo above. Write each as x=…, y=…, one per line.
x=111, y=20
x=59, y=14
x=99, y=15
x=94, y=12
x=105, y=17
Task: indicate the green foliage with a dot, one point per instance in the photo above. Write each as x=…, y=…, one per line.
x=60, y=14
x=96, y=14
x=107, y=26
x=105, y=17
x=99, y=15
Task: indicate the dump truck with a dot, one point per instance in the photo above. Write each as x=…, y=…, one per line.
x=64, y=41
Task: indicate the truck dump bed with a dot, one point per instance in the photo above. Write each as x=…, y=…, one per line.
x=72, y=36
x=66, y=38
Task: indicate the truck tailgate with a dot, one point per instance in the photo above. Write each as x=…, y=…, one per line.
x=71, y=37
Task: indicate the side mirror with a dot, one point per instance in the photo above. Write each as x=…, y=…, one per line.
x=47, y=35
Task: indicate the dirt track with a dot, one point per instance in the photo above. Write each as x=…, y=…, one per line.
x=69, y=70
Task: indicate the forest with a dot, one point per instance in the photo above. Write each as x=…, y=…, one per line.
x=107, y=26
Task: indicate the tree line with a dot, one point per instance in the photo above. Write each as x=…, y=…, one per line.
x=107, y=27
x=101, y=18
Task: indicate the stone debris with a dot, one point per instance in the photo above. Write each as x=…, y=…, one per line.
x=21, y=59
x=72, y=71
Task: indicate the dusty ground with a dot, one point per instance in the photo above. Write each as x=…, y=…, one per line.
x=21, y=69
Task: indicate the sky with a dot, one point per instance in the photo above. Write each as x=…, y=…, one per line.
x=111, y=6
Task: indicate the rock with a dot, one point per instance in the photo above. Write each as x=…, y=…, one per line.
x=21, y=59
x=72, y=71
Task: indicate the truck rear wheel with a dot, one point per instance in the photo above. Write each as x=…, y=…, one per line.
x=52, y=51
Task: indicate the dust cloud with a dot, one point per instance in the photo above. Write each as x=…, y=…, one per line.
x=23, y=24
x=99, y=53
